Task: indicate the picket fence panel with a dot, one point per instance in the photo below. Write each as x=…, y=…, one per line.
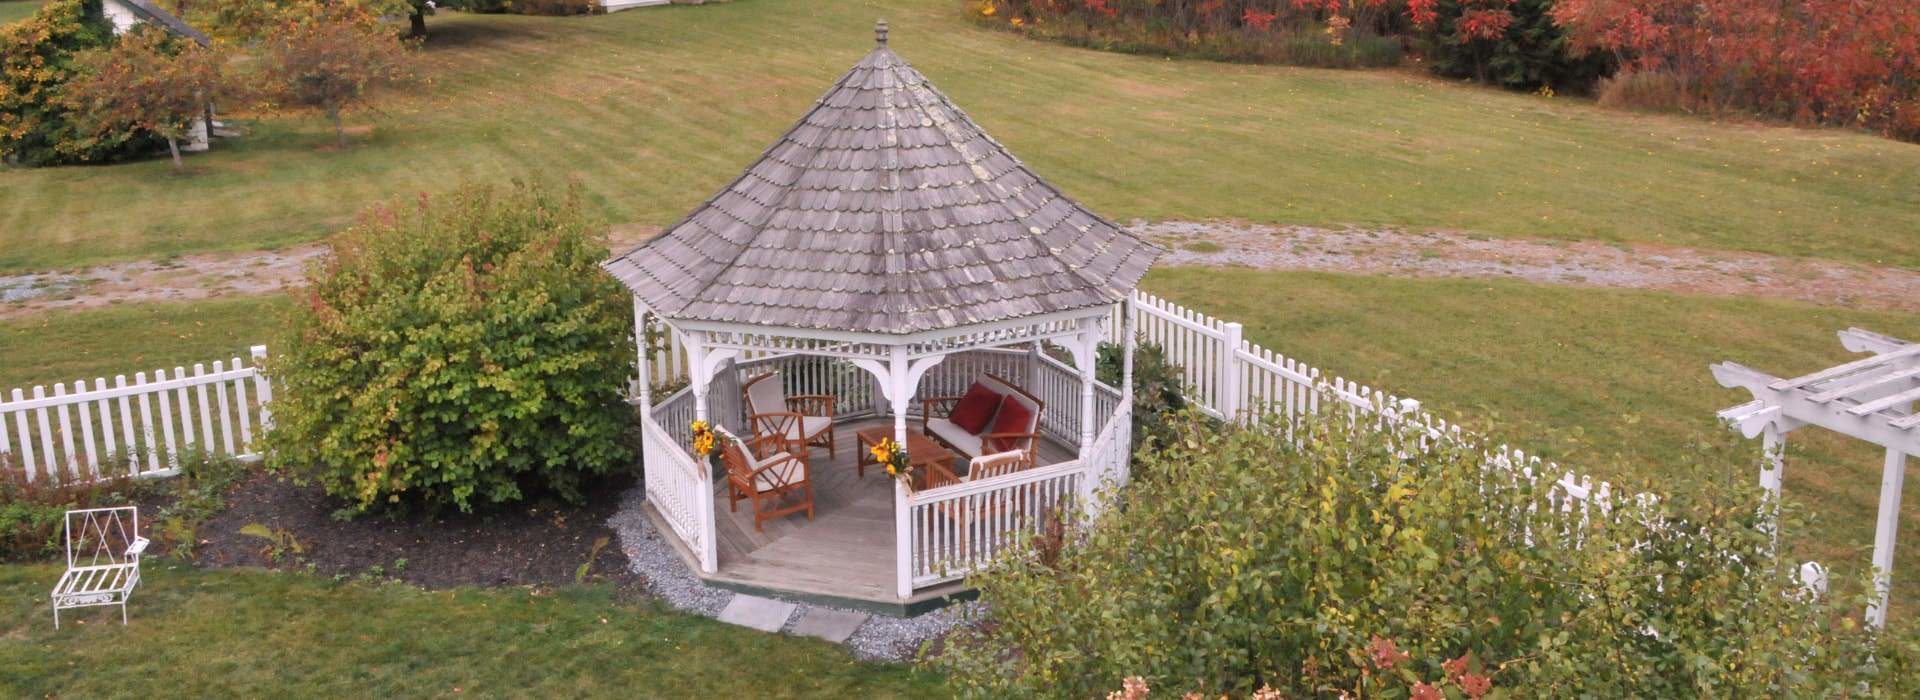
x=1235, y=379
x=87, y=430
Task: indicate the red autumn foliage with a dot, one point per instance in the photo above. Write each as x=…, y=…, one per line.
x=1840, y=62
x=1257, y=20
x=1484, y=19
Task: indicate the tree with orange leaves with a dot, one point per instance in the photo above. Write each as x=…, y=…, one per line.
x=147, y=81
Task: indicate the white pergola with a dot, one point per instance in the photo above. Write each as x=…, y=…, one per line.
x=1870, y=399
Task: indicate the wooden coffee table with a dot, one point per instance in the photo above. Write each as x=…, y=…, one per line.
x=921, y=451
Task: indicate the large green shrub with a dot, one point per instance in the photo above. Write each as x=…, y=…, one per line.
x=1338, y=560
x=460, y=351
x=1159, y=389
x=36, y=60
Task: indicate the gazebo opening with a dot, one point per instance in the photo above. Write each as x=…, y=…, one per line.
x=885, y=270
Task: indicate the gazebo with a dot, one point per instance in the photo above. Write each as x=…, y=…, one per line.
x=883, y=256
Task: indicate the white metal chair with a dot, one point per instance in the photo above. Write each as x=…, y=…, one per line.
x=103, y=560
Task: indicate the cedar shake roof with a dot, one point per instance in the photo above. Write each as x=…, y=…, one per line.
x=151, y=12
x=884, y=210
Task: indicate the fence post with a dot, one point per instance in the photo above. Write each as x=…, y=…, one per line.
x=263, y=389
x=1230, y=371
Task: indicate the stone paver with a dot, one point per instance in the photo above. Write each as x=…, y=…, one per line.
x=764, y=614
x=829, y=624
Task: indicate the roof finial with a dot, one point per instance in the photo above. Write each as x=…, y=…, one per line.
x=880, y=33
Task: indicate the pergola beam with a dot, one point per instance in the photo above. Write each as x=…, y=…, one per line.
x=1874, y=428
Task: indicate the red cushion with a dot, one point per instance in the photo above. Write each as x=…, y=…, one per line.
x=1012, y=418
x=973, y=410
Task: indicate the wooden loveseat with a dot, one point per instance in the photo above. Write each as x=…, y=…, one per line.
x=1018, y=432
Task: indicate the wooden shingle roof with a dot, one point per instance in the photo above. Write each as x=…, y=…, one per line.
x=884, y=210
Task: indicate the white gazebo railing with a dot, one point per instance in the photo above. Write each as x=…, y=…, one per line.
x=679, y=488
x=954, y=530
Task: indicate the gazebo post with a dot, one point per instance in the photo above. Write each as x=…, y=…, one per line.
x=644, y=392
x=1126, y=357
x=1892, y=478
x=901, y=397
x=1086, y=351
x=697, y=375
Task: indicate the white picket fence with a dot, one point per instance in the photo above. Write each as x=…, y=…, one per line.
x=1232, y=378
x=137, y=427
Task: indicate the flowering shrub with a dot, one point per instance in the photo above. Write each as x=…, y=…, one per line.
x=457, y=353
x=1336, y=559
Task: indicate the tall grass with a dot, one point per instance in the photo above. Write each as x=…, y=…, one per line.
x=1297, y=46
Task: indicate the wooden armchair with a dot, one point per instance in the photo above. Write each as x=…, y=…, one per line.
x=806, y=419
x=970, y=514
x=765, y=471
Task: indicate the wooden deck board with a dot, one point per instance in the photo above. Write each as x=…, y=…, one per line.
x=846, y=551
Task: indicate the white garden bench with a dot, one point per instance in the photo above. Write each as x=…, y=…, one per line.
x=103, y=560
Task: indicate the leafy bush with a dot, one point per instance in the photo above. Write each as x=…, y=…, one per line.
x=1159, y=390
x=1325, y=561
x=33, y=513
x=457, y=353
x=36, y=62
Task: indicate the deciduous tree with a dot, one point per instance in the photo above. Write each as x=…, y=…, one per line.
x=147, y=81
x=36, y=61
x=334, y=61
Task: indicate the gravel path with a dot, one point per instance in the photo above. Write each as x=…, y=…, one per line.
x=1583, y=263
x=880, y=638
x=186, y=277
x=1207, y=243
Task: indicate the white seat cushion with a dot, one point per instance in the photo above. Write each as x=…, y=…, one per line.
x=766, y=396
x=786, y=470
x=958, y=437
x=810, y=425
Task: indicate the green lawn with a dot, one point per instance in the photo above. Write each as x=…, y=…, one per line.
x=68, y=346
x=654, y=110
x=11, y=10
x=1627, y=370
x=260, y=634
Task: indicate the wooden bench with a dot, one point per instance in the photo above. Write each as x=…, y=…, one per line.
x=933, y=422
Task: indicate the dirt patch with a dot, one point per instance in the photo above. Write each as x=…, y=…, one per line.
x=1583, y=263
x=189, y=277
x=526, y=545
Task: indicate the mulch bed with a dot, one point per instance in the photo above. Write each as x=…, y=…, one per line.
x=540, y=544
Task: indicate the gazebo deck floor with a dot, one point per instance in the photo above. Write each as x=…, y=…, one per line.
x=845, y=555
